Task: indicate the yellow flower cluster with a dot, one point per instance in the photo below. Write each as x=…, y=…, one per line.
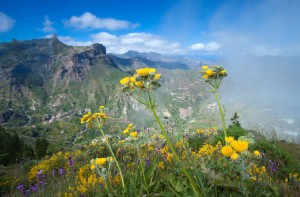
x=214, y=72
x=131, y=131
x=207, y=150
x=98, y=116
x=144, y=78
x=100, y=162
x=258, y=173
x=213, y=75
x=234, y=147
x=229, y=139
x=87, y=180
x=207, y=132
x=240, y=145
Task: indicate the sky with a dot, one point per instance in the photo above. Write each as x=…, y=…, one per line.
x=186, y=27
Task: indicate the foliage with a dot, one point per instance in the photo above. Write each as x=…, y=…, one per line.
x=41, y=146
x=13, y=149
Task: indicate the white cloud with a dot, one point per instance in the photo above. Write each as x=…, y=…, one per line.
x=48, y=25
x=6, y=22
x=197, y=46
x=209, y=47
x=212, y=47
x=142, y=42
x=90, y=21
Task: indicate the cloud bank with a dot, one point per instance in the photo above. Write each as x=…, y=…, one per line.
x=6, y=23
x=142, y=42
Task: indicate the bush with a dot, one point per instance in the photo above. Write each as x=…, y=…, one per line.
x=13, y=149
x=41, y=146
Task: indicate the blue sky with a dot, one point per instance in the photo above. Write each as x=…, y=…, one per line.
x=211, y=27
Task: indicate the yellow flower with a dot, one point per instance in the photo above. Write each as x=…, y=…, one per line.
x=157, y=77
x=101, y=107
x=256, y=153
x=205, y=67
x=124, y=81
x=133, y=134
x=100, y=161
x=209, y=72
x=152, y=70
x=205, y=76
x=111, y=159
x=92, y=166
x=143, y=72
x=130, y=125
x=161, y=165
x=126, y=131
x=132, y=79
x=222, y=72
x=139, y=84
x=229, y=139
x=227, y=151
x=81, y=189
x=234, y=156
x=240, y=145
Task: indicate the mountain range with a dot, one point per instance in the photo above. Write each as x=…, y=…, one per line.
x=44, y=81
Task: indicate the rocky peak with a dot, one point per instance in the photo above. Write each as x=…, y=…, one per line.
x=98, y=49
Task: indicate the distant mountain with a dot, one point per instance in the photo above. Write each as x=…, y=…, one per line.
x=164, y=61
x=43, y=81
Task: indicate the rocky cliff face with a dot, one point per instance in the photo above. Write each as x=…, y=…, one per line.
x=41, y=71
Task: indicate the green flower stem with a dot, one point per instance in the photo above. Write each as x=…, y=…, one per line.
x=191, y=180
x=109, y=147
x=221, y=112
x=143, y=171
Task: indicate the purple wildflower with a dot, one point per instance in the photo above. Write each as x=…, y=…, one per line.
x=62, y=171
x=34, y=187
x=147, y=161
x=70, y=160
x=273, y=165
x=53, y=172
x=186, y=135
x=42, y=183
x=20, y=187
x=158, y=150
x=39, y=174
x=26, y=192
